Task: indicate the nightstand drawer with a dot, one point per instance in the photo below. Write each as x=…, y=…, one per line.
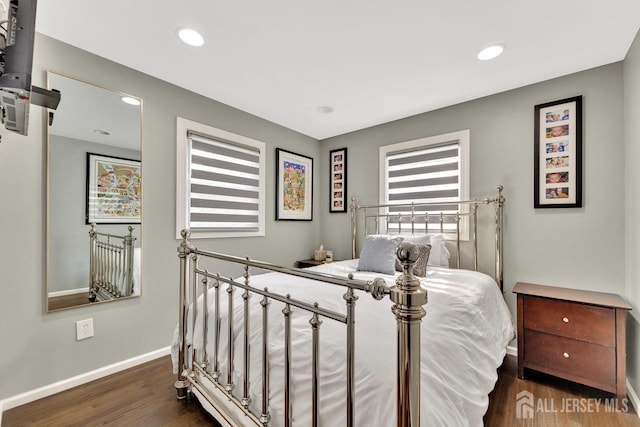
x=590, y=364
x=577, y=321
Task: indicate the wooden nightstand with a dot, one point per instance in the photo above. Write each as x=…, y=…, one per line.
x=304, y=263
x=573, y=334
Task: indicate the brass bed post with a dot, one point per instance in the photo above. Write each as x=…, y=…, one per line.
x=184, y=249
x=408, y=297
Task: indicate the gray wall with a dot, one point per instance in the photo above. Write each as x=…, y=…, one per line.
x=68, y=239
x=39, y=348
x=632, y=204
x=576, y=248
x=579, y=248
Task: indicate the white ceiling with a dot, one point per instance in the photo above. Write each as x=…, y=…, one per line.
x=85, y=108
x=373, y=61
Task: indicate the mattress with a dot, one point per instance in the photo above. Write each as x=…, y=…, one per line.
x=464, y=337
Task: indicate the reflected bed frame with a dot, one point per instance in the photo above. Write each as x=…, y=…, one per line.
x=110, y=265
x=216, y=390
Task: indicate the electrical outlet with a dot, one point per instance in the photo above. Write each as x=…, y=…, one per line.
x=84, y=329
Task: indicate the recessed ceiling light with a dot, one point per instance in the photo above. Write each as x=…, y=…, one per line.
x=130, y=100
x=491, y=52
x=101, y=132
x=325, y=109
x=191, y=37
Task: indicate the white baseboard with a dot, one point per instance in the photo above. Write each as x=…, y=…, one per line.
x=512, y=351
x=633, y=396
x=48, y=390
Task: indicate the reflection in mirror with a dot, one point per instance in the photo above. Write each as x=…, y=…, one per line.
x=94, y=196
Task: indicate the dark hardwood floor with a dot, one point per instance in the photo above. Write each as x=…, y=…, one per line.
x=145, y=396
x=555, y=402
x=66, y=301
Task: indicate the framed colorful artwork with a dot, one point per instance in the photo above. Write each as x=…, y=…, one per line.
x=558, y=154
x=338, y=180
x=114, y=190
x=294, y=186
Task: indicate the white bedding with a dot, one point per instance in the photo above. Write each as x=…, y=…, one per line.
x=464, y=337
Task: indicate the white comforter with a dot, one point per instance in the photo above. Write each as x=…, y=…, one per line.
x=464, y=337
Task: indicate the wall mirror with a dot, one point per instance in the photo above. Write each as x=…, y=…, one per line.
x=94, y=195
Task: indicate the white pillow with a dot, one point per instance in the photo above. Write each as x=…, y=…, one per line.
x=439, y=256
x=378, y=253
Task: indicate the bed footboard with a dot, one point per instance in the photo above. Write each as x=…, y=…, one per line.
x=111, y=260
x=407, y=295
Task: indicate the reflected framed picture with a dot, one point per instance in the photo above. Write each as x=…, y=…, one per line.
x=294, y=186
x=338, y=180
x=114, y=190
x=558, y=154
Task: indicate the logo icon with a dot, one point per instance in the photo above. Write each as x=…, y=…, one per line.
x=524, y=405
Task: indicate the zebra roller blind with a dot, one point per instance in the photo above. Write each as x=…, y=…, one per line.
x=429, y=170
x=220, y=182
x=224, y=187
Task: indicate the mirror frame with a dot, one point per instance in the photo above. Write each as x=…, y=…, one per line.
x=48, y=309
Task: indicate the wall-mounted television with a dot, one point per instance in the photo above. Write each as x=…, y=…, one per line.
x=16, y=62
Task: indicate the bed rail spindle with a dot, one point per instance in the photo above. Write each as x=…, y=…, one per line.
x=408, y=298
x=458, y=239
x=216, y=324
x=315, y=323
x=350, y=299
x=230, y=385
x=399, y=223
x=194, y=305
x=92, y=262
x=354, y=221
x=247, y=347
x=287, y=363
x=265, y=416
x=413, y=219
x=499, y=205
x=475, y=236
x=426, y=223
x=205, y=320
x=441, y=222
x=129, y=250
x=386, y=223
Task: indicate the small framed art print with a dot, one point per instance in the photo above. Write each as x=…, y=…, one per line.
x=558, y=154
x=338, y=180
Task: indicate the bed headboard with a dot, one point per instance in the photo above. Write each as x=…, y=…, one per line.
x=457, y=220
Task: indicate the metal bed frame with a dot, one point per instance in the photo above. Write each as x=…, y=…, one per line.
x=110, y=265
x=408, y=297
x=416, y=218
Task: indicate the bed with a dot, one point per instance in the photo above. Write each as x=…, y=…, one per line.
x=320, y=351
x=114, y=265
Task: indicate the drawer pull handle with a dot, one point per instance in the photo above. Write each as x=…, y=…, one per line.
x=566, y=355
x=565, y=319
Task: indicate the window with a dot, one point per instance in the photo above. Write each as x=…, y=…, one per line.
x=426, y=170
x=220, y=182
